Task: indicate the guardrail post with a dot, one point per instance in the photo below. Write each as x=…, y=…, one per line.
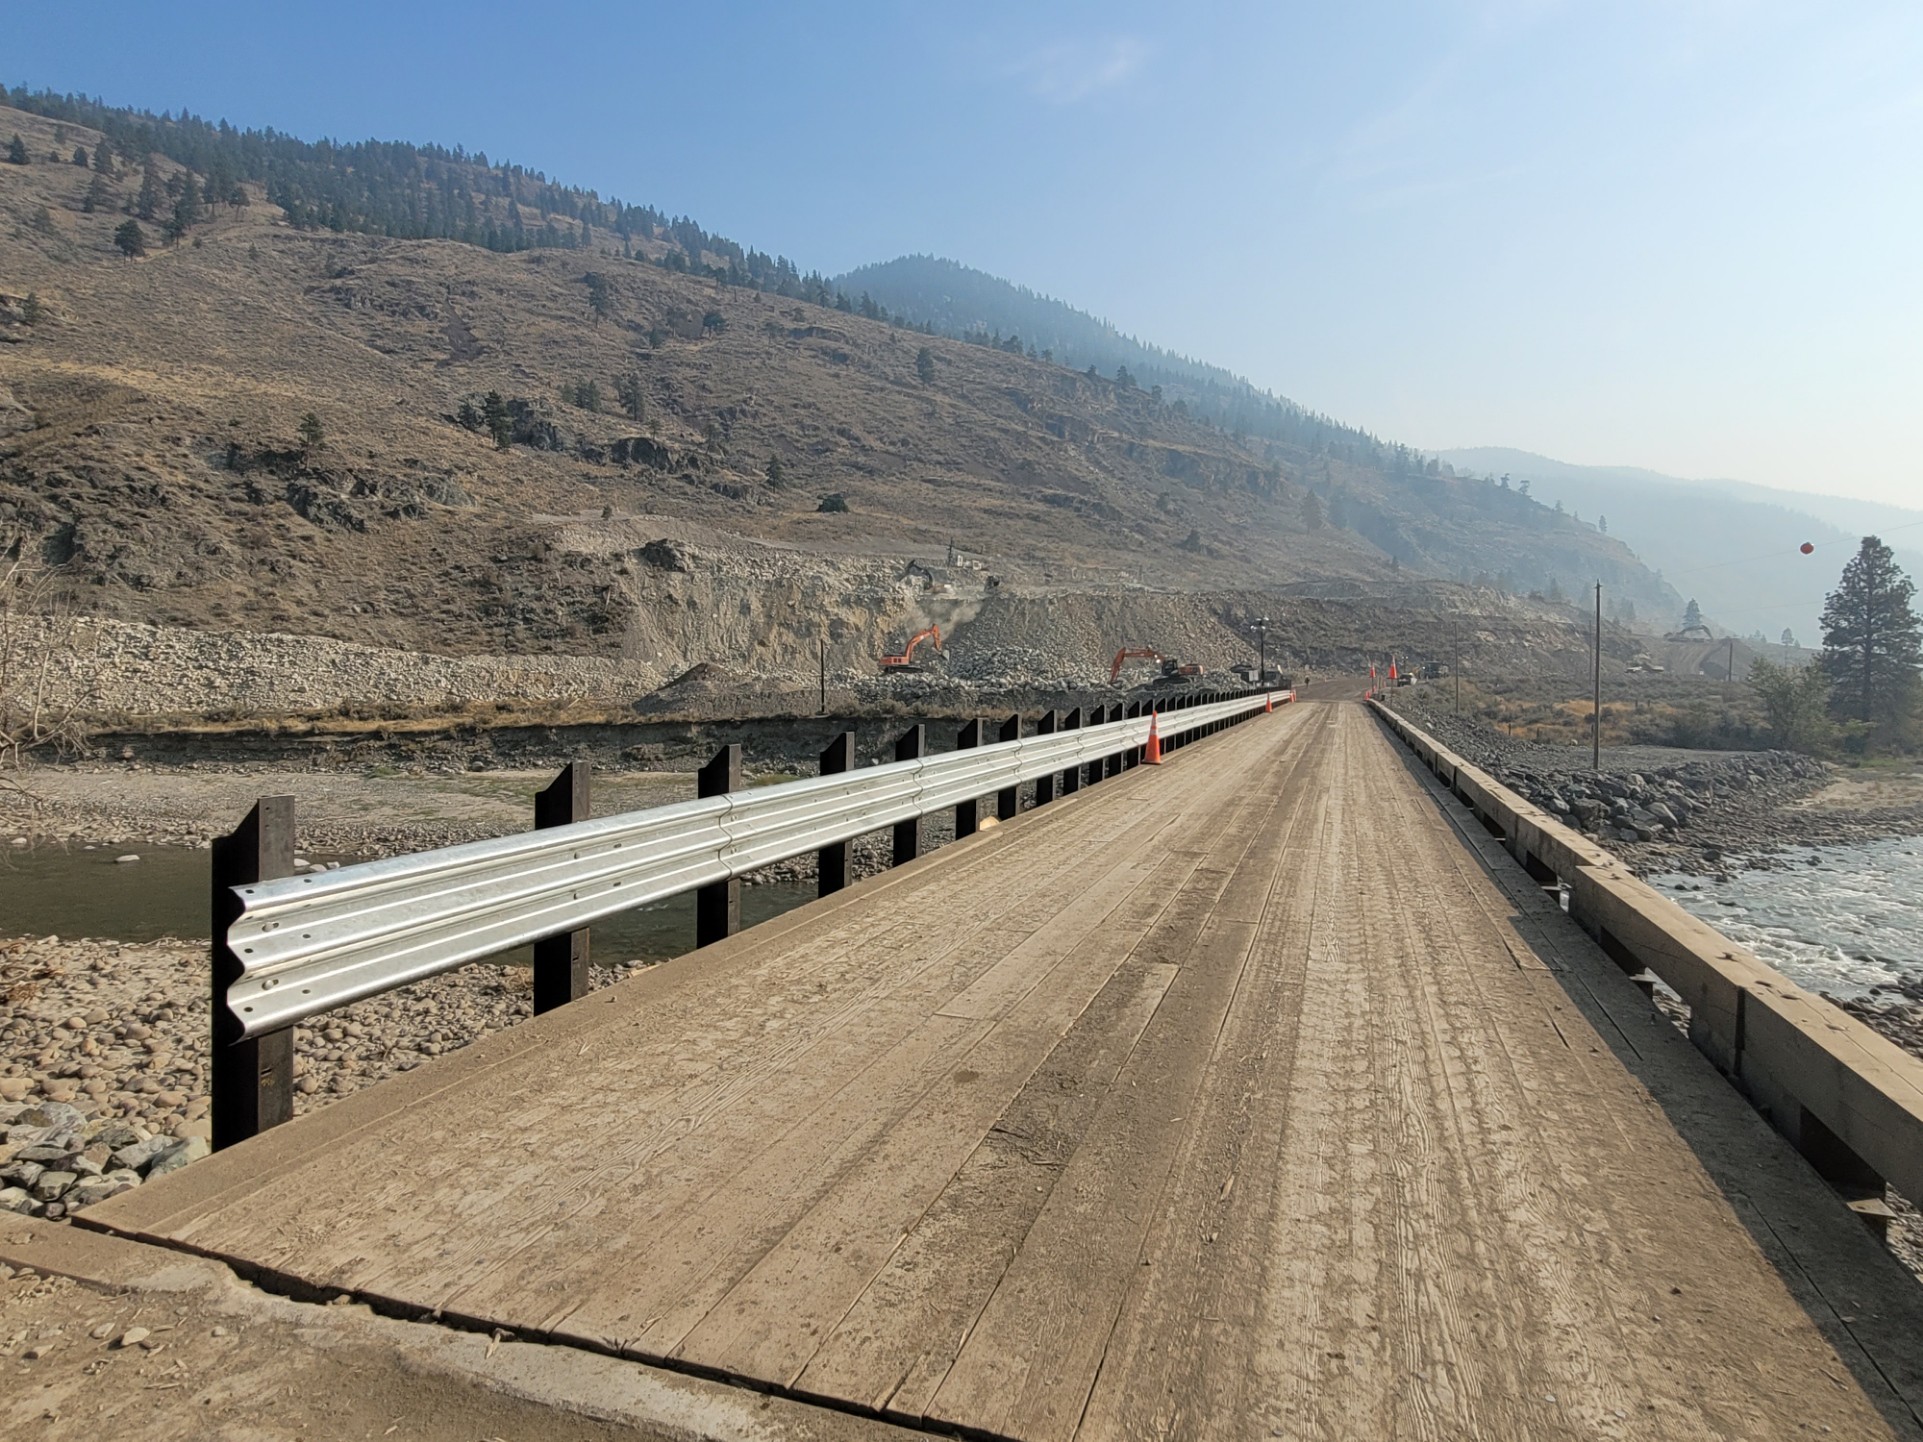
x=909, y=746
x=835, y=861
x=967, y=813
x=252, y=1077
x=561, y=962
x=1132, y=757
x=717, y=906
x=1072, y=775
x=1008, y=801
x=1112, y=765
x=1045, y=785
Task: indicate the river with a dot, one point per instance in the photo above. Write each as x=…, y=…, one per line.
x=53, y=892
x=1836, y=919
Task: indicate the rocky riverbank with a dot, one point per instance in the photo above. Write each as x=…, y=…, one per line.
x=103, y=1058
x=1664, y=809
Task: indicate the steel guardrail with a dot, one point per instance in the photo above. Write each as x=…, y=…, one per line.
x=312, y=942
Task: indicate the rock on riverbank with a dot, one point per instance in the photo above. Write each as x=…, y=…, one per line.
x=103, y=1058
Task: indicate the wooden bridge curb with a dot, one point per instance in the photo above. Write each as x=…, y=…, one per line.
x=1848, y=1099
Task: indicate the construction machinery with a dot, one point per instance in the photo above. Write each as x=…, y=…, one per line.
x=1171, y=667
x=906, y=660
x=1132, y=653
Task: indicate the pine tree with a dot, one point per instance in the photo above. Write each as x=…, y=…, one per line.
x=499, y=424
x=131, y=239
x=186, y=209
x=776, y=477
x=147, y=204
x=925, y=365
x=1692, y=615
x=17, y=152
x=103, y=159
x=627, y=390
x=80, y=156
x=1872, y=641
x=99, y=196
x=312, y=436
x=600, y=299
x=1311, y=510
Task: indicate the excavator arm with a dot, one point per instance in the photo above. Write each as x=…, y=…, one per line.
x=1128, y=653
x=907, y=656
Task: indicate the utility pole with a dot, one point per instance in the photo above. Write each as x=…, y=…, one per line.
x=1262, y=655
x=1455, y=668
x=1732, y=662
x=1596, y=698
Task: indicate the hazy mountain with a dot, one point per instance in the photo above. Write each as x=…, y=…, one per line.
x=1732, y=545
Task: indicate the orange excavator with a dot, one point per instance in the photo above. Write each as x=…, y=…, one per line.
x=1131, y=653
x=906, y=660
x=1170, y=666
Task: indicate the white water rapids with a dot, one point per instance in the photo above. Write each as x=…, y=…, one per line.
x=1836, y=919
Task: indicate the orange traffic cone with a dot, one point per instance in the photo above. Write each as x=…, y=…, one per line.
x=1268, y=702
x=1153, y=756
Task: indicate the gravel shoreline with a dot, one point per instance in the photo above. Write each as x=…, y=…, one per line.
x=105, y=1082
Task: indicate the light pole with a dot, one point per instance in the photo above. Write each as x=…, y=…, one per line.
x=1262, y=653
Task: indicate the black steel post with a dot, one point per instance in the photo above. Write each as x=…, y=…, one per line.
x=1045, y=785
x=835, y=862
x=1072, y=775
x=561, y=962
x=252, y=1077
x=967, y=813
x=717, y=906
x=1008, y=801
x=909, y=746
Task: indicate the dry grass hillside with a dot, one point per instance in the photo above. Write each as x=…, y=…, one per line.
x=150, y=443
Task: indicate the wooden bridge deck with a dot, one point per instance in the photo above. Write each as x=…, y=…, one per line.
x=1249, y=1097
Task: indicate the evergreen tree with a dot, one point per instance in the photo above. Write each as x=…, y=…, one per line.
x=1602, y=524
x=131, y=239
x=17, y=152
x=312, y=436
x=925, y=365
x=600, y=298
x=776, y=477
x=1789, y=638
x=1872, y=641
x=103, y=159
x=499, y=424
x=80, y=156
x=186, y=209
x=1311, y=510
x=1692, y=615
x=147, y=204
x=627, y=390
x=31, y=311
x=99, y=196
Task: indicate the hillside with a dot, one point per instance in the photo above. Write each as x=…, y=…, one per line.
x=686, y=469
x=1731, y=545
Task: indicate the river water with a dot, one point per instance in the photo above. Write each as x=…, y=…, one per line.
x=50, y=892
x=1836, y=919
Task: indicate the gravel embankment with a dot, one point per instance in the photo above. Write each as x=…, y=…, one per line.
x=104, y=1083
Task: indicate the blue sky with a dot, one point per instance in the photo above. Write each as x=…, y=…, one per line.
x=1685, y=234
